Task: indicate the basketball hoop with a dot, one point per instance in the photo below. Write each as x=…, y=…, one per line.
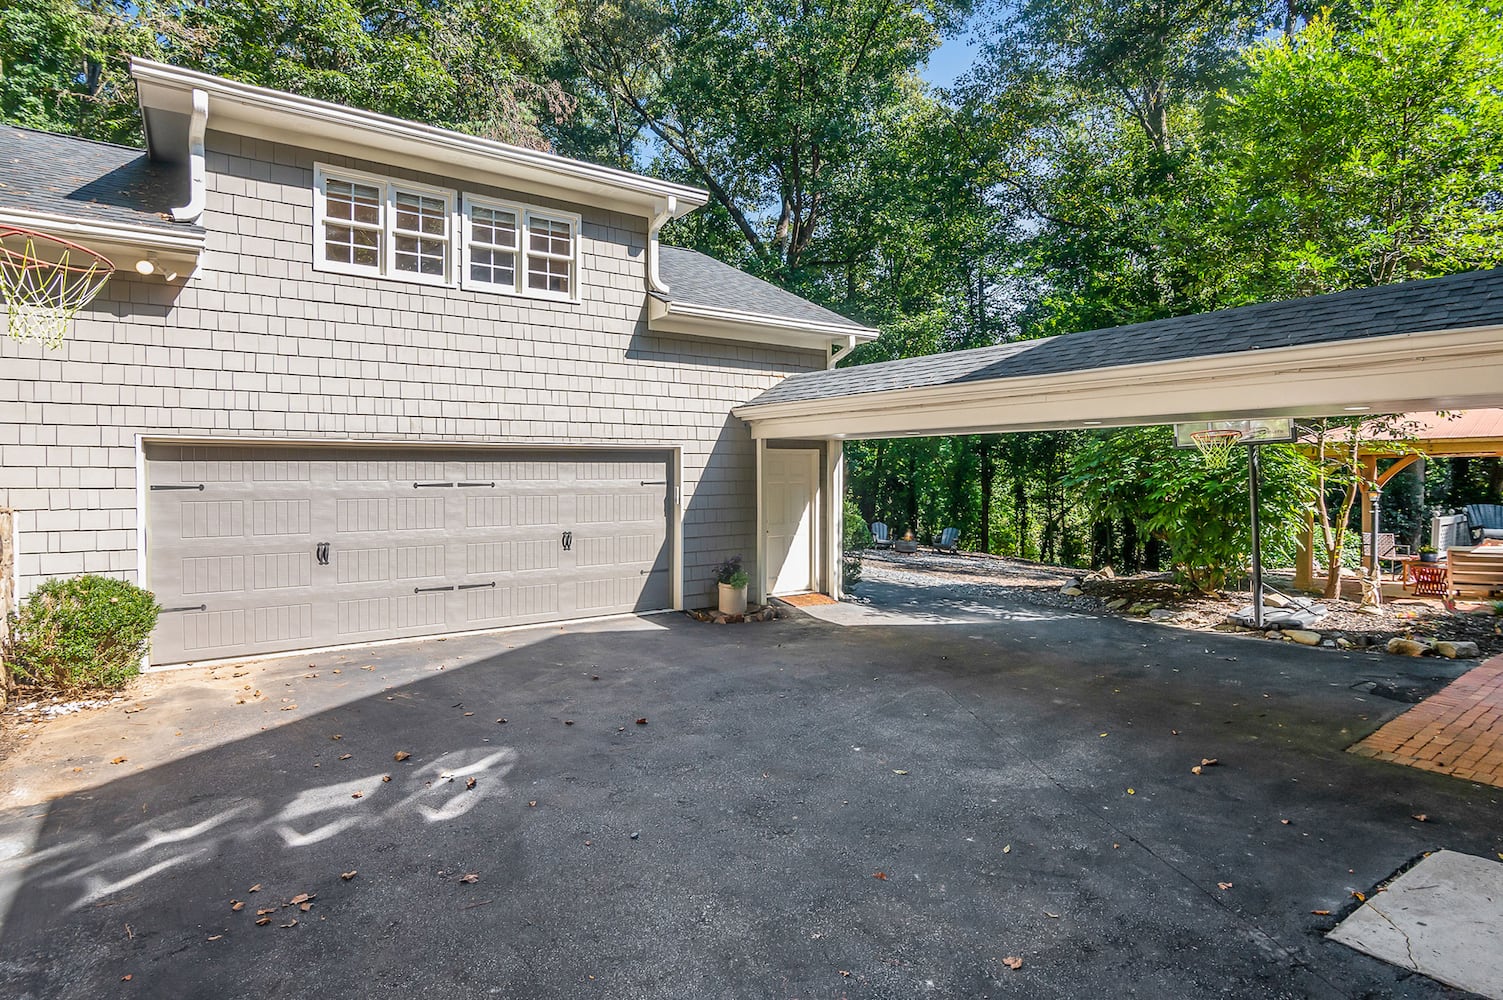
x=1215, y=446
x=44, y=282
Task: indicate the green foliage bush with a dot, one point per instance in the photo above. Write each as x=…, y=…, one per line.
x=80, y=633
x=1201, y=513
x=855, y=536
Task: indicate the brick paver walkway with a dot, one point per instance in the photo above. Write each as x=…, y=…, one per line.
x=1457, y=731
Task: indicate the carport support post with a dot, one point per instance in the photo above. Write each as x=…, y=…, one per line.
x=1254, y=473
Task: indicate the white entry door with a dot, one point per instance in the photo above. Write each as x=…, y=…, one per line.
x=790, y=484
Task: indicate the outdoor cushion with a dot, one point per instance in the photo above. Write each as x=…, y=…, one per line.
x=1485, y=519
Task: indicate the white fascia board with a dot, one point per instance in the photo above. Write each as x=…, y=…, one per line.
x=114, y=239
x=1443, y=370
x=753, y=328
x=274, y=115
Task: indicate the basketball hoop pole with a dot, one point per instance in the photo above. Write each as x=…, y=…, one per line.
x=1254, y=474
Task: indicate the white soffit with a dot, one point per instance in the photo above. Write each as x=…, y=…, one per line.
x=1445, y=370
x=276, y=116
x=689, y=320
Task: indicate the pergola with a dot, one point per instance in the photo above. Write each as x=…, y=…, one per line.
x=1418, y=346
x=1458, y=434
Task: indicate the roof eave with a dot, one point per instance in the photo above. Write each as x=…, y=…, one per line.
x=276, y=116
x=689, y=319
x=1390, y=372
x=171, y=251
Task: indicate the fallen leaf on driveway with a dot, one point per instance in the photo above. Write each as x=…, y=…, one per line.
x=880, y=875
x=1051, y=916
x=292, y=923
x=236, y=905
x=1421, y=817
x=470, y=783
x=357, y=795
x=400, y=755
x=255, y=888
x=1196, y=769
x=306, y=907
x=1321, y=913
x=125, y=978
x=1223, y=886
x=118, y=760
x=215, y=937
x=1013, y=962
x=385, y=778
x=345, y=756
x=1132, y=791
x=1286, y=822
x=533, y=804
x=337, y=736
x=262, y=921
x=470, y=878
x=288, y=708
x=301, y=897
x=349, y=874
x=1007, y=849
x=1359, y=897
x=642, y=722
x=1209, y=762
x=899, y=772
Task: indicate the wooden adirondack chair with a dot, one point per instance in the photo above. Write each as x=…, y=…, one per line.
x=947, y=540
x=880, y=537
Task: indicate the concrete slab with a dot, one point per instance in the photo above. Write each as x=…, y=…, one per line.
x=1442, y=918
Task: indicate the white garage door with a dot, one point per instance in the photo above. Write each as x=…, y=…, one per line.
x=256, y=549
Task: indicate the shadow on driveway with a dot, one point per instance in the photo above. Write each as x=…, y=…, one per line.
x=810, y=811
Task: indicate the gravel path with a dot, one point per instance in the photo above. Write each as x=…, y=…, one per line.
x=1010, y=581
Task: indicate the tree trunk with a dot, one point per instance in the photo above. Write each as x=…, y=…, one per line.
x=1020, y=505
x=986, y=496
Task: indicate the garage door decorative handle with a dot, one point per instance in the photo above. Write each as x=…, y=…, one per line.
x=476, y=586
x=419, y=486
x=568, y=540
x=491, y=485
x=198, y=487
x=430, y=590
x=191, y=607
x=321, y=553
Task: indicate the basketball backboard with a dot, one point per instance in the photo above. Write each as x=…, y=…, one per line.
x=1254, y=430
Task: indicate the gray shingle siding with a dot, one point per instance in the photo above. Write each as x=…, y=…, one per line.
x=258, y=345
x=1450, y=303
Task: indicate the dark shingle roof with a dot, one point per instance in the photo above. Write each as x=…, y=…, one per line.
x=66, y=175
x=1449, y=303
x=696, y=280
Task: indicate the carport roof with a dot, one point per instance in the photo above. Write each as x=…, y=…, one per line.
x=1422, y=345
x=1450, y=303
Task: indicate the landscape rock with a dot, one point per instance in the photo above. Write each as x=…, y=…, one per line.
x=1407, y=647
x=1273, y=633
x=1071, y=591
x=1120, y=602
x=1368, y=609
x=1141, y=608
x=1163, y=614
x=1343, y=643
x=1457, y=650
x=1272, y=600
x=1303, y=637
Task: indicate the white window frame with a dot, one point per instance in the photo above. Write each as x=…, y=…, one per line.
x=519, y=272
x=389, y=187
x=575, y=224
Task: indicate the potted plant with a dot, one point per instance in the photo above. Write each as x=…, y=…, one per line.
x=1428, y=554
x=732, y=579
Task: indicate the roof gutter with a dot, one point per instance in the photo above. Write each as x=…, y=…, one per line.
x=197, y=185
x=278, y=116
x=1393, y=372
x=839, y=331
x=655, y=282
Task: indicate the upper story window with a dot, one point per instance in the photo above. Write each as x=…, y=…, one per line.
x=377, y=226
x=525, y=251
x=366, y=224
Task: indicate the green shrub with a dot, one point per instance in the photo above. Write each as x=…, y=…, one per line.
x=80, y=633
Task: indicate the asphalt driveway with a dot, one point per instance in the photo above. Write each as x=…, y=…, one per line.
x=808, y=811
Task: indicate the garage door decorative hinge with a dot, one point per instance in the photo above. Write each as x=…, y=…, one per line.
x=567, y=541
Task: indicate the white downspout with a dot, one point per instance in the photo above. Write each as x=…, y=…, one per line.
x=197, y=186
x=835, y=359
x=655, y=282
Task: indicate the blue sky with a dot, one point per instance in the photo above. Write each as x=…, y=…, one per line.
x=950, y=60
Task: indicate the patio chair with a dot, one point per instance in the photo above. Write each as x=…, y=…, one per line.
x=880, y=537
x=1474, y=572
x=1485, y=520
x=947, y=541
x=1389, y=551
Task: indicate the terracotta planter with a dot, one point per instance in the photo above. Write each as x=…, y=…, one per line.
x=732, y=599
